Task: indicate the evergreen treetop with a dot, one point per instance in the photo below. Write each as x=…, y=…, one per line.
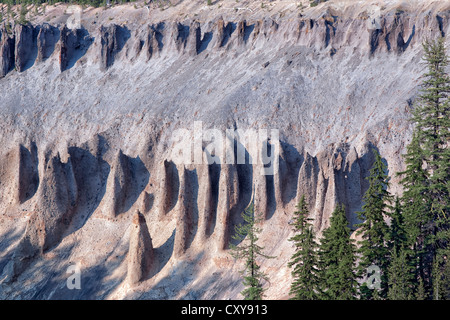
x=304, y=261
x=248, y=249
x=426, y=178
x=374, y=249
x=337, y=259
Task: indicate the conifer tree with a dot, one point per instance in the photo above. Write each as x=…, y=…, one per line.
x=400, y=276
x=401, y=272
x=446, y=277
x=420, y=295
x=22, y=14
x=426, y=178
x=397, y=233
x=432, y=118
x=248, y=249
x=416, y=211
x=337, y=259
x=373, y=248
x=304, y=261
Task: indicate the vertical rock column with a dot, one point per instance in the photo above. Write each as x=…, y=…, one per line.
x=23, y=46
x=151, y=44
x=140, y=254
x=6, y=52
x=66, y=47
x=224, y=32
x=307, y=180
x=28, y=177
x=354, y=192
x=56, y=200
x=228, y=199
x=168, y=188
x=260, y=190
x=119, y=185
x=241, y=32
x=280, y=171
x=110, y=45
x=194, y=38
x=184, y=215
x=220, y=33
x=205, y=203
x=44, y=42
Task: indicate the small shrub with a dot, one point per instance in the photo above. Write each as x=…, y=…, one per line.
x=314, y=3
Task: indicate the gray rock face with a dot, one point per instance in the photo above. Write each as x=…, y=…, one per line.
x=72, y=45
x=194, y=40
x=113, y=38
x=152, y=42
x=66, y=44
x=119, y=185
x=7, y=43
x=20, y=169
x=223, y=32
x=206, y=204
x=28, y=179
x=87, y=132
x=140, y=254
x=169, y=185
x=46, y=40
x=228, y=200
x=58, y=197
x=53, y=213
x=184, y=217
x=24, y=46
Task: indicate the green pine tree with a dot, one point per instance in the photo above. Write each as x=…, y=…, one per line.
x=23, y=14
x=432, y=117
x=421, y=294
x=248, y=249
x=446, y=278
x=373, y=248
x=416, y=206
x=426, y=178
x=397, y=233
x=337, y=259
x=401, y=272
x=304, y=261
x=437, y=275
x=314, y=3
x=400, y=276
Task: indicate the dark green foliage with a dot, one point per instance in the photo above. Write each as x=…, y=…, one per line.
x=304, y=261
x=248, y=249
x=314, y=3
x=441, y=276
x=401, y=279
x=421, y=295
x=426, y=178
x=397, y=232
x=337, y=259
x=446, y=279
x=416, y=211
x=374, y=248
x=432, y=119
x=400, y=275
x=22, y=15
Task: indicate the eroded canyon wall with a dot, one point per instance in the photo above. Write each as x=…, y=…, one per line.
x=88, y=116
